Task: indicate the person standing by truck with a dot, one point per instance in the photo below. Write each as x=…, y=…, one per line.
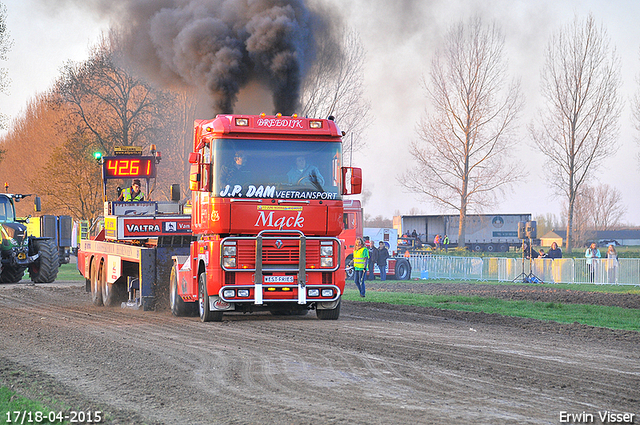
x=383, y=254
x=360, y=261
x=373, y=259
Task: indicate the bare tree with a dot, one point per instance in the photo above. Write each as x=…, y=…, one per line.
x=378, y=221
x=5, y=45
x=71, y=181
x=579, y=126
x=601, y=206
x=546, y=223
x=462, y=157
x=333, y=87
x=113, y=106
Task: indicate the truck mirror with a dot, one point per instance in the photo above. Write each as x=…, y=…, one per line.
x=352, y=180
x=37, y=204
x=194, y=157
x=175, y=192
x=194, y=177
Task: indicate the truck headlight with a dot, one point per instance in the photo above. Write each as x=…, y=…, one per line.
x=326, y=251
x=229, y=293
x=313, y=292
x=243, y=293
x=229, y=250
x=327, y=292
x=326, y=262
x=229, y=262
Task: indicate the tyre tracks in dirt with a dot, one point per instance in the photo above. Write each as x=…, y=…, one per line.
x=375, y=365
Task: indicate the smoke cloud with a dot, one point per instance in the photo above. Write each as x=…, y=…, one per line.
x=219, y=46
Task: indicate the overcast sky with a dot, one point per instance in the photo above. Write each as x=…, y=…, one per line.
x=400, y=38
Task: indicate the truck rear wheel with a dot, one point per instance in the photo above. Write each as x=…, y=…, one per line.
x=178, y=306
x=111, y=293
x=45, y=268
x=11, y=274
x=96, y=283
x=332, y=314
x=206, y=315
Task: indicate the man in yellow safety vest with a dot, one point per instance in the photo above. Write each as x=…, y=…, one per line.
x=360, y=261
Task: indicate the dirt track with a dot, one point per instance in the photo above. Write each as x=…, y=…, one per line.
x=376, y=365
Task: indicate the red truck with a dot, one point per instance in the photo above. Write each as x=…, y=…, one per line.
x=267, y=211
x=262, y=233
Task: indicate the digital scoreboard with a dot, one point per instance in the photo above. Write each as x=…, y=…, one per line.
x=128, y=167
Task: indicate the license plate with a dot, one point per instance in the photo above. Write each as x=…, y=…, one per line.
x=278, y=279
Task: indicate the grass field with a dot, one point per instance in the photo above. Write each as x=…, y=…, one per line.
x=15, y=408
x=592, y=315
x=69, y=272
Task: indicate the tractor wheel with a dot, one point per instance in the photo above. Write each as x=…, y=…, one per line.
x=11, y=274
x=332, y=314
x=45, y=268
x=206, y=315
x=178, y=306
x=96, y=283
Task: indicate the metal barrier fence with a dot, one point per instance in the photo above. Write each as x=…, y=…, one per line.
x=625, y=271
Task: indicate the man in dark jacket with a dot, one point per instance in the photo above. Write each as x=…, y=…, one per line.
x=383, y=254
x=373, y=259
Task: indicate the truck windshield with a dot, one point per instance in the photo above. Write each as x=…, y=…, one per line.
x=281, y=169
x=6, y=209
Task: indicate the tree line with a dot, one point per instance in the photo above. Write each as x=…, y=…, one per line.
x=98, y=104
x=462, y=158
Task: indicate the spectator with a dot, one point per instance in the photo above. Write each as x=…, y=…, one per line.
x=612, y=264
x=436, y=242
x=445, y=242
x=554, y=252
x=383, y=254
x=592, y=253
x=542, y=254
x=373, y=259
x=414, y=234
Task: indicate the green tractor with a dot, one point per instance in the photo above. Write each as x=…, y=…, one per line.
x=20, y=252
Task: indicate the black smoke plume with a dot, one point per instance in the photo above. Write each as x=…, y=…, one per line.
x=220, y=45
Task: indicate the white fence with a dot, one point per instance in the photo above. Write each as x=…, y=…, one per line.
x=625, y=271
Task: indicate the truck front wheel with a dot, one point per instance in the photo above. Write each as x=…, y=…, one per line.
x=331, y=314
x=206, y=315
x=348, y=267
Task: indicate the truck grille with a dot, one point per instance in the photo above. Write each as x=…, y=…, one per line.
x=287, y=254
